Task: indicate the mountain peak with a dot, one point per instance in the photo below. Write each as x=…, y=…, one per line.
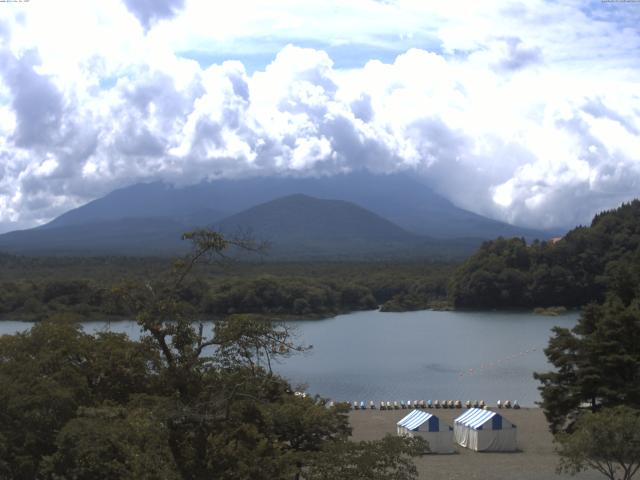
x=382, y=206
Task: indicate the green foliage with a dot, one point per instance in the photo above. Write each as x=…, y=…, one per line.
x=607, y=441
x=597, y=363
x=112, y=442
x=270, y=439
x=580, y=268
x=428, y=292
x=45, y=299
x=389, y=458
x=76, y=289
x=48, y=373
x=181, y=403
x=287, y=296
x=252, y=342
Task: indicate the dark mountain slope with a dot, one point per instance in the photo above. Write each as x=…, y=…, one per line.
x=300, y=226
x=128, y=236
x=296, y=226
x=301, y=217
x=397, y=197
x=146, y=200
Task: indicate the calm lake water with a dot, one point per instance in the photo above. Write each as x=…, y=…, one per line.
x=413, y=355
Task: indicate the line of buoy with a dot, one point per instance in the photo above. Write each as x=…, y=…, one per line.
x=496, y=363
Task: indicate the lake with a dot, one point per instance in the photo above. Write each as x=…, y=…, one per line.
x=413, y=355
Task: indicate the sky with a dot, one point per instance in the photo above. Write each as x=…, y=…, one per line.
x=523, y=111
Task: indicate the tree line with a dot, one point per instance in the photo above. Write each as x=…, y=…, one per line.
x=302, y=291
x=181, y=403
x=591, y=398
x=582, y=267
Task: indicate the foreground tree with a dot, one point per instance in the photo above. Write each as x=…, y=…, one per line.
x=607, y=441
x=112, y=442
x=597, y=364
x=230, y=416
x=185, y=402
x=389, y=458
x=48, y=373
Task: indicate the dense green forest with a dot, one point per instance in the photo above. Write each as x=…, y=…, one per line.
x=37, y=288
x=573, y=271
x=596, y=364
x=178, y=404
x=504, y=273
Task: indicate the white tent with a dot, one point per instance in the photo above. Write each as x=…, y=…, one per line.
x=485, y=431
x=427, y=425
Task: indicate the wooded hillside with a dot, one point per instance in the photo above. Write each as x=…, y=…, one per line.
x=573, y=271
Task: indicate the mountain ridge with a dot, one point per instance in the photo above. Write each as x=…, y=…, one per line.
x=399, y=198
x=350, y=215
x=297, y=227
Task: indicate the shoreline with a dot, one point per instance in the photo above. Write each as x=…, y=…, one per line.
x=534, y=460
x=319, y=316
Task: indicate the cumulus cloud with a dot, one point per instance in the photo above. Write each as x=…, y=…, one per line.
x=150, y=11
x=500, y=122
x=511, y=54
x=37, y=102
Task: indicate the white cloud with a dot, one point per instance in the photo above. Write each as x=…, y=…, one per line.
x=524, y=111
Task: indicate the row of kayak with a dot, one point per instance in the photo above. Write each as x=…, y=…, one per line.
x=402, y=405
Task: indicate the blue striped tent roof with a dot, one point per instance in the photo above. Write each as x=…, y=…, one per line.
x=415, y=419
x=476, y=417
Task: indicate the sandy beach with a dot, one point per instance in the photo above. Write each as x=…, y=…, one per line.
x=534, y=460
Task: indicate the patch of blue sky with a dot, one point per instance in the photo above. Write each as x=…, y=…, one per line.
x=625, y=14
x=252, y=61
x=107, y=83
x=258, y=53
x=356, y=55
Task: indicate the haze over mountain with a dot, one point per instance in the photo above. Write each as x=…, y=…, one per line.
x=125, y=236
x=397, y=197
x=367, y=209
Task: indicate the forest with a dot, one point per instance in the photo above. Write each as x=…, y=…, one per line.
x=573, y=271
x=504, y=273
x=178, y=404
x=591, y=396
x=69, y=288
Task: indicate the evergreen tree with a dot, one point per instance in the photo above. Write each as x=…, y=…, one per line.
x=182, y=403
x=597, y=363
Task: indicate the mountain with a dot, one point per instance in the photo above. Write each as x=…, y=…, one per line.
x=190, y=205
x=399, y=198
x=300, y=225
x=300, y=217
x=356, y=214
x=296, y=227
x=127, y=236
